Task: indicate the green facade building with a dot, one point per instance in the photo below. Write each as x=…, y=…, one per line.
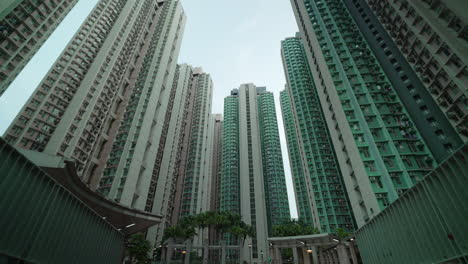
x=24, y=27
x=319, y=185
x=252, y=175
x=303, y=199
x=420, y=88
x=433, y=37
x=379, y=150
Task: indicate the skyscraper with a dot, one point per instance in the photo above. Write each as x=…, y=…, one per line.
x=441, y=132
x=433, y=36
x=252, y=176
x=217, y=120
x=162, y=189
x=181, y=184
x=198, y=167
x=130, y=169
x=319, y=185
x=122, y=57
x=379, y=150
x=24, y=27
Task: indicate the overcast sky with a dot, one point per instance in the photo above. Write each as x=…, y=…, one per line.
x=235, y=41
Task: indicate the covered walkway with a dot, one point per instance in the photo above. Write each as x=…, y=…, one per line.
x=314, y=249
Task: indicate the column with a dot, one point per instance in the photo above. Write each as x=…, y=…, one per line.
x=352, y=249
x=187, y=255
x=169, y=251
x=343, y=256
x=295, y=256
x=306, y=256
x=223, y=251
x=315, y=259
x=277, y=255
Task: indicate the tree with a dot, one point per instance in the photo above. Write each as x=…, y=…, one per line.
x=138, y=249
x=294, y=228
x=341, y=233
x=222, y=222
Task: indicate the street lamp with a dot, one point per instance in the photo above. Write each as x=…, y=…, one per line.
x=184, y=252
x=250, y=253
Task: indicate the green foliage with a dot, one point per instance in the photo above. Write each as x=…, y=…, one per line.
x=220, y=221
x=294, y=228
x=183, y=232
x=138, y=248
x=341, y=233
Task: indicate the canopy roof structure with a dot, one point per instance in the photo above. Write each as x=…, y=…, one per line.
x=323, y=240
x=124, y=219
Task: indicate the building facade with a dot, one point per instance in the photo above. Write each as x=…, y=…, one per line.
x=439, y=131
x=24, y=27
x=217, y=138
x=379, y=149
x=321, y=193
x=433, y=37
x=252, y=175
x=163, y=187
x=92, y=92
x=131, y=170
x=198, y=167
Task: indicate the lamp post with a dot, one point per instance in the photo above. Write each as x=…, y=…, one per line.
x=250, y=253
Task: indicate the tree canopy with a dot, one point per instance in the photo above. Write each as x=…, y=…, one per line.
x=294, y=228
x=220, y=221
x=138, y=248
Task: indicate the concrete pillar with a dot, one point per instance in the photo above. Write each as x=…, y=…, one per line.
x=189, y=250
x=169, y=252
x=329, y=256
x=315, y=259
x=335, y=256
x=295, y=256
x=343, y=256
x=277, y=256
x=306, y=256
x=205, y=252
x=352, y=250
x=163, y=253
x=223, y=251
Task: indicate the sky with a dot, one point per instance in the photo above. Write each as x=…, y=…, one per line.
x=234, y=41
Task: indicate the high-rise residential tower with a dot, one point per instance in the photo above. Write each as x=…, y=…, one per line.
x=181, y=184
x=252, y=176
x=131, y=169
x=433, y=36
x=415, y=71
x=162, y=189
x=24, y=26
x=198, y=167
x=320, y=190
x=217, y=120
x=379, y=150
x=112, y=81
